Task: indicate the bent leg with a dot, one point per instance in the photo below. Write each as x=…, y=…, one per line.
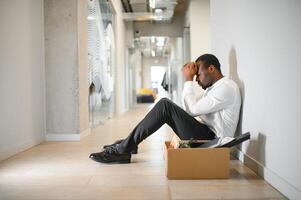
x=166, y=111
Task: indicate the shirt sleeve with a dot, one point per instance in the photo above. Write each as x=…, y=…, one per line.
x=189, y=88
x=213, y=101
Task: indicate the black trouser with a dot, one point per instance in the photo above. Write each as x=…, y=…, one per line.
x=166, y=111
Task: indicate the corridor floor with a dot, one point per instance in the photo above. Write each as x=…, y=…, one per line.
x=62, y=170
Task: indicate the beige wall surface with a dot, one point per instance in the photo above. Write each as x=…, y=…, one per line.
x=200, y=31
x=22, y=75
x=258, y=44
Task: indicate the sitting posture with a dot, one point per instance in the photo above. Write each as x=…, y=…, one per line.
x=206, y=115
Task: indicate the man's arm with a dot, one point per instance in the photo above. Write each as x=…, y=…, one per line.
x=217, y=100
x=197, y=92
x=189, y=70
x=197, y=105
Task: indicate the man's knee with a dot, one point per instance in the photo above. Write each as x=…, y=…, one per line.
x=165, y=103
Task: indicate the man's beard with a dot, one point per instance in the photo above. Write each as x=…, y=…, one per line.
x=205, y=86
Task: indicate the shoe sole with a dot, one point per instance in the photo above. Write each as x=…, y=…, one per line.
x=134, y=151
x=115, y=162
x=124, y=161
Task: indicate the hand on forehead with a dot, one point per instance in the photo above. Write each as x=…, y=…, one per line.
x=190, y=65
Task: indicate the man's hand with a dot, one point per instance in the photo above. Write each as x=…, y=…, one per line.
x=189, y=70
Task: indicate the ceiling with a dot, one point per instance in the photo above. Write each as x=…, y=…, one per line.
x=153, y=10
x=153, y=46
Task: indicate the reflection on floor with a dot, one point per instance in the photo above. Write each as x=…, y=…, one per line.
x=62, y=170
x=100, y=114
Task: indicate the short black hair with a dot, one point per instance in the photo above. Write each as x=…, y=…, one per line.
x=209, y=59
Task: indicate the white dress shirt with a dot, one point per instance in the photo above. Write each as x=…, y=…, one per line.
x=218, y=106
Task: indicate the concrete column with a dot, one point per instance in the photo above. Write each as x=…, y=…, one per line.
x=67, y=114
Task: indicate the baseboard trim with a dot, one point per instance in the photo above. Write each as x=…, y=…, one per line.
x=51, y=137
x=61, y=137
x=279, y=183
x=12, y=150
x=18, y=148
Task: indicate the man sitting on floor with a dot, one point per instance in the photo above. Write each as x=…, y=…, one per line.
x=213, y=113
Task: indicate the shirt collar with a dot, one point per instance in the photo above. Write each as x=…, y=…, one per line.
x=220, y=81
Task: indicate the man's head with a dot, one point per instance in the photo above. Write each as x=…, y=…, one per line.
x=209, y=70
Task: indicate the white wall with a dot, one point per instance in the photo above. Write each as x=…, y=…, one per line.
x=135, y=79
x=186, y=45
x=199, y=21
x=137, y=65
x=147, y=63
x=176, y=63
x=22, y=75
x=129, y=65
x=258, y=44
x=120, y=87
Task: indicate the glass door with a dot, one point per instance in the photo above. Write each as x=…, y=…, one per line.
x=101, y=56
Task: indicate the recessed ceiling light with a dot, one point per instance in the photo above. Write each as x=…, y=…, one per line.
x=91, y=17
x=158, y=10
x=152, y=3
x=153, y=39
x=153, y=53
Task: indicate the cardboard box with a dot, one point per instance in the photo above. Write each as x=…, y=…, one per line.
x=196, y=163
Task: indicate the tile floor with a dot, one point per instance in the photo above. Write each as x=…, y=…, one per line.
x=62, y=170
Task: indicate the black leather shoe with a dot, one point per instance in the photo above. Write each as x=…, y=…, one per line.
x=111, y=155
x=116, y=142
x=134, y=151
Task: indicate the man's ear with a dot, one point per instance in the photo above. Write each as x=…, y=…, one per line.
x=211, y=68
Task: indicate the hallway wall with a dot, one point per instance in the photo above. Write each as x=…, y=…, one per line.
x=120, y=87
x=258, y=44
x=198, y=19
x=147, y=63
x=22, y=75
x=176, y=63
